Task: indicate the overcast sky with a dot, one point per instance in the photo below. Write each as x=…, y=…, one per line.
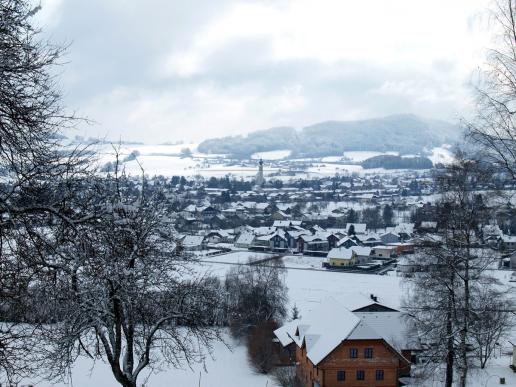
x=168, y=70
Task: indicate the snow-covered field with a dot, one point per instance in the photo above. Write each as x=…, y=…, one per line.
x=303, y=262
x=272, y=155
x=358, y=156
x=165, y=160
x=214, y=373
x=306, y=289
x=237, y=257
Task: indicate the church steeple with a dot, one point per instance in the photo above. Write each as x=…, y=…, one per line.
x=259, y=176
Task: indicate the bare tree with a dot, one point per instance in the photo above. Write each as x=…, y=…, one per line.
x=261, y=351
x=494, y=127
x=31, y=161
x=120, y=291
x=256, y=293
x=286, y=376
x=451, y=290
x=430, y=306
x=493, y=319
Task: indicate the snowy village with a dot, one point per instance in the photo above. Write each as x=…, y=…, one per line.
x=257, y=193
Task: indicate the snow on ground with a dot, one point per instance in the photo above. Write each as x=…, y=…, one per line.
x=162, y=165
x=306, y=289
x=322, y=170
x=272, y=155
x=174, y=165
x=303, y=261
x=441, y=154
x=165, y=160
x=238, y=257
x=331, y=159
x=87, y=374
x=358, y=156
x=497, y=368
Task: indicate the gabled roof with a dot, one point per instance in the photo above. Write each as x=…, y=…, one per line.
x=193, y=240
x=245, y=238
x=327, y=326
x=324, y=329
x=361, y=250
x=344, y=240
x=340, y=253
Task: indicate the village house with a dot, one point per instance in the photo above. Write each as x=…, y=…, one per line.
x=245, y=240
x=348, y=349
x=193, y=243
x=347, y=242
x=341, y=256
x=384, y=252
x=507, y=242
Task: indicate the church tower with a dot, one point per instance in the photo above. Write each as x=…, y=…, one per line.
x=260, y=181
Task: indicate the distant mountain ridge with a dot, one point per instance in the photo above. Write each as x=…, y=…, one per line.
x=404, y=133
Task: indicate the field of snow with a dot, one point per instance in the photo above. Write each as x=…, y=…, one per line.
x=272, y=155
x=309, y=287
x=358, y=156
x=213, y=374
x=303, y=261
x=165, y=160
x=306, y=289
x=237, y=257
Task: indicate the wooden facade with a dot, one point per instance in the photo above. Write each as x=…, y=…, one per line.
x=376, y=364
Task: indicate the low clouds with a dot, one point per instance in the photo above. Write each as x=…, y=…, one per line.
x=162, y=70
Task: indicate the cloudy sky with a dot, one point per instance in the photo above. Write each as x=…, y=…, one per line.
x=169, y=70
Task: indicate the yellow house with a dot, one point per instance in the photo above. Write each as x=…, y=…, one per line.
x=341, y=256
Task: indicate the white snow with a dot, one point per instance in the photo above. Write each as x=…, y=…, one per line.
x=227, y=368
x=442, y=155
x=272, y=155
x=238, y=257
x=358, y=156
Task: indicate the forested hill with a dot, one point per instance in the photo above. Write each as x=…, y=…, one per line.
x=404, y=133
x=397, y=162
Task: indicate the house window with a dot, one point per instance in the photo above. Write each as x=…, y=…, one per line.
x=341, y=376
x=360, y=375
x=368, y=353
x=379, y=374
x=353, y=353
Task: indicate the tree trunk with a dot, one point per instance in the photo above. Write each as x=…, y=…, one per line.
x=464, y=331
x=450, y=353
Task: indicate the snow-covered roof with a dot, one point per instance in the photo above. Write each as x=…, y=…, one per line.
x=245, y=238
x=392, y=326
x=344, y=240
x=263, y=230
x=190, y=208
x=340, y=253
x=361, y=250
x=360, y=228
x=297, y=233
x=328, y=325
x=322, y=334
x=193, y=240
x=283, y=332
x=281, y=223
